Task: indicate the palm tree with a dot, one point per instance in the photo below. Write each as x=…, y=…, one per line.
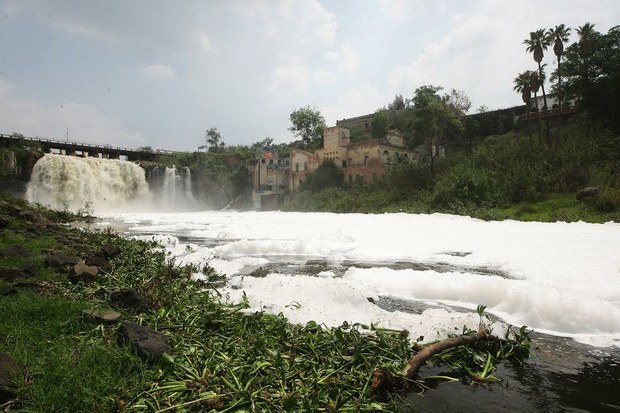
x=559, y=36
x=522, y=85
x=537, y=44
x=537, y=79
x=585, y=32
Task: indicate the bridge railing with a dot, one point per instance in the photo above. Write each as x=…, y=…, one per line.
x=86, y=144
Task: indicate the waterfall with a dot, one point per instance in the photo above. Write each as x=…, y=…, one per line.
x=69, y=182
x=173, y=188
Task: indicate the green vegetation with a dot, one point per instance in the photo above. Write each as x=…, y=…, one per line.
x=531, y=171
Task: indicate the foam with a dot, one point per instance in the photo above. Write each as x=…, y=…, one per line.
x=561, y=278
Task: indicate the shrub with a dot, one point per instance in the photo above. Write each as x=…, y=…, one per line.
x=608, y=200
x=327, y=175
x=464, y=184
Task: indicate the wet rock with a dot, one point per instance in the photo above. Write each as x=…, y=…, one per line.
x=100, y=261
x=129, y=299
x=84, y=273
x=12, y=373
x=102, y=316
x=586, y=193
x=36, y=219
x=147, y=342
x=15, y=250
x=110, y=251
x=4, y=221
x=59, y=259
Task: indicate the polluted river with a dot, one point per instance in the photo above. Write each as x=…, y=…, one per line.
x=422, y=273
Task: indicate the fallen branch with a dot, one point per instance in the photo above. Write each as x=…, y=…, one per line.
x=384, y=382
x=416, y=362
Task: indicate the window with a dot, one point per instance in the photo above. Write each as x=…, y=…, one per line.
x=305, y=166
x=296, y=166
x=344, y=164
x=271, y=162
x=366, y=160
x=262, y=161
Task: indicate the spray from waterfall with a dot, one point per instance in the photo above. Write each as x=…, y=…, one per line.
x=94, y=184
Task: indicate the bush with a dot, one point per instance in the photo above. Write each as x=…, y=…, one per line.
x=608, y=200
x=327, y=175
x=464, y=184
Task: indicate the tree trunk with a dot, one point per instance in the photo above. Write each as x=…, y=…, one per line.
x=542, y=85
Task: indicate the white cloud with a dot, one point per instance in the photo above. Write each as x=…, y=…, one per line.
x=159, y=71
x=342, y=58
x=204, y=41
x=407, y=11
x=85, y=122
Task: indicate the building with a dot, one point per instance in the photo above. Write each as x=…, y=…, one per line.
x=269, y=175
x=302, y=163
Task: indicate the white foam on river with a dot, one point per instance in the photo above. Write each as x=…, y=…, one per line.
x=559, y=278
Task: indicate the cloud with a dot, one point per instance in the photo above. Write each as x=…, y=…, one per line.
x=204, y=41
x=159, y=71
x=85, y=122
x=407, y=11
x=343, y=58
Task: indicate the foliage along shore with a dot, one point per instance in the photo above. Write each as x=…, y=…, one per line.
x=221, y=358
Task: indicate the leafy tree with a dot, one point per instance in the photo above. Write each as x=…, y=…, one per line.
x=266, y=143
x=213, y=140
x=327, y=175
x=537, y=44
x=458, y=101
x=398, y=103
x=433, y=120
x=380, y=124
x=308, y=124
x=592, y=74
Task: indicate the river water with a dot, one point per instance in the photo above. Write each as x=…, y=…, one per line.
x=427, y=274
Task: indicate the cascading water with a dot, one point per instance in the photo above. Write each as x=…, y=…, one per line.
x=174, y=188
x=73, y=183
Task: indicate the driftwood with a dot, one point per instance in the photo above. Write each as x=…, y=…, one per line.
x=384, y=382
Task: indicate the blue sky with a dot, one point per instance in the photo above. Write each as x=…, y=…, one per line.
x=158, y=73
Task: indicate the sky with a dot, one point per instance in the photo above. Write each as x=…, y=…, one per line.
x=159, y=73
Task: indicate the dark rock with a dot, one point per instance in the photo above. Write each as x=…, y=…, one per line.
x=147, y=342
x=14, y=288
x=12, y=374
x=102, y=316
x=15, y=250
x=110, y=251
x=4, y=221
x=84, y=273
x=588, y=192
x=100, y=261
x=10, y=274
x=36, y=219
x=59, y=259
x=129, y=299
x=29, y=268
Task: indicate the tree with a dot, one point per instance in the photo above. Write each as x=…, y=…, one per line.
x=266, y=143
x=433, y=120
x=458, y=101
x=537, y=44
x=591, y=70
x=398, y=103
x=559, y=35
x=380, y=124
x=308, y=124
x=327, y=175
x=213, y=140
x=522, y=85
